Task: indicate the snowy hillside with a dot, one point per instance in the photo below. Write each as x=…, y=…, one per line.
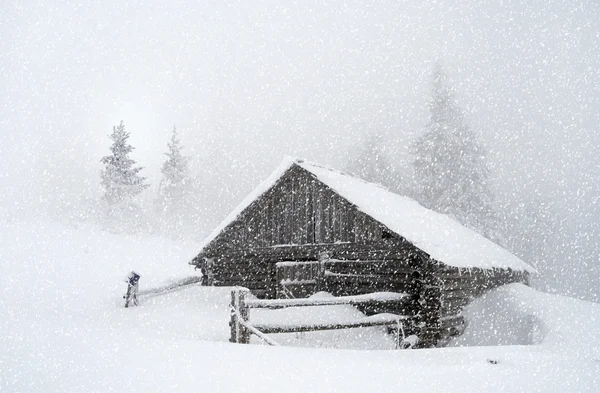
x=63, y=329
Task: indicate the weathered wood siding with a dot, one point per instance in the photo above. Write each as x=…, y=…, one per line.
x=298, y=279
x=296, y=220
x=356, y=277
x=299, y=209
x=378, y=262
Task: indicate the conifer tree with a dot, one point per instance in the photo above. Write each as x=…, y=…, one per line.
x=450, y=171
x=176, y=200
x=120, y=177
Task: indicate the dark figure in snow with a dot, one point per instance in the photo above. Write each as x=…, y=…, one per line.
x=206, y=270
x=132, y=289
x=204, y=280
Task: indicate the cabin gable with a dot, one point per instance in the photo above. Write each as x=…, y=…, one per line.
x=299, y=210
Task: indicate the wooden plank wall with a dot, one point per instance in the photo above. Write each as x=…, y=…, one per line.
x=298, y=210
x=255, y=268
x=297, y=279
x=357, y=277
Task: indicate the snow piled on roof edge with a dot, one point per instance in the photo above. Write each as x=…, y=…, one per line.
x=263, y=187
x=442, y=237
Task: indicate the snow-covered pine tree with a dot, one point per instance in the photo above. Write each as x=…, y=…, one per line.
x=451, y=175
x=175, y=173
x=120, y=177
x=176, y=201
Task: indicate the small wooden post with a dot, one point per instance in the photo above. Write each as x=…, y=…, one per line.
x=239, y=333
x=132, y=289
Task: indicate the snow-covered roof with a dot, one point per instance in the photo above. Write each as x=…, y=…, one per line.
x=443, y=238
x=254, y=195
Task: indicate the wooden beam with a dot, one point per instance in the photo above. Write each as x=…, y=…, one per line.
x=369, y=278
x=374, y=298
x=382, y=250
x=388, y=320
x=258, y=333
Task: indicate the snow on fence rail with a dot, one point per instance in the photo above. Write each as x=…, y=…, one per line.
x=375, y=298
x=241, y=328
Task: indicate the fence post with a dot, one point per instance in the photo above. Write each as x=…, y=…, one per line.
x=239, y=333
x=323, y=257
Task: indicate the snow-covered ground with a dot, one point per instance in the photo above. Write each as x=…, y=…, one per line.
x=518, y=315
x=63, y=329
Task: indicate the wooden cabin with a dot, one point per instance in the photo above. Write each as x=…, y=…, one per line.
x=308, y=228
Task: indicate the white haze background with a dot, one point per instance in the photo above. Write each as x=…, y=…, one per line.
x=248, y=82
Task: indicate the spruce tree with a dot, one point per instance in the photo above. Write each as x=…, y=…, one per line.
x=450, y=170
x=176, y=201
x=120, y=177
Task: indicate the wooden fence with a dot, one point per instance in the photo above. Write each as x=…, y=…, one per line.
x=242, y=328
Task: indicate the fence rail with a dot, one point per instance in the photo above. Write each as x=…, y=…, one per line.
x=375, y=320
x=242, y=329
x=372, y=298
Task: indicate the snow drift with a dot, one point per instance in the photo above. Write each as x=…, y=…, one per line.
x=519, y=315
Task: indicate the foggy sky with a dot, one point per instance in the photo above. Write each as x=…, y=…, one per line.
x=248, y=82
